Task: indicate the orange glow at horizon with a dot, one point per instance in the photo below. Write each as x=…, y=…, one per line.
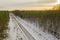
x=28, y=8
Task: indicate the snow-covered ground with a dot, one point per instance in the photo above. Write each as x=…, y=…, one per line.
x=36, y=32
x=16, y=33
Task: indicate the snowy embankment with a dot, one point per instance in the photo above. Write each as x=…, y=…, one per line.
x=36, y=33
x=14, y=31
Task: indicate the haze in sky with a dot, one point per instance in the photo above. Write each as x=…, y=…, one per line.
x=58, y=1
x=25, y=3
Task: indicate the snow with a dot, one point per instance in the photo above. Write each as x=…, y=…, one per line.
x=36, y=32
x=16, y=33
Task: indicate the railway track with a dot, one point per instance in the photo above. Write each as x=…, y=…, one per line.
x=28, y=32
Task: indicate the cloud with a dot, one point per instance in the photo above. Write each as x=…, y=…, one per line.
x=8, y=3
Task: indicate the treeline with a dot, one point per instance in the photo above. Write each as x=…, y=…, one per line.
x=4, y=18
x=38, y=14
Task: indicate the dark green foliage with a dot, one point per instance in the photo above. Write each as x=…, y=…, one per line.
x=40, y=14
x=4, y=18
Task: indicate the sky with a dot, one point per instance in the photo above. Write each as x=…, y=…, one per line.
x=5, y=4
x=58, y=1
